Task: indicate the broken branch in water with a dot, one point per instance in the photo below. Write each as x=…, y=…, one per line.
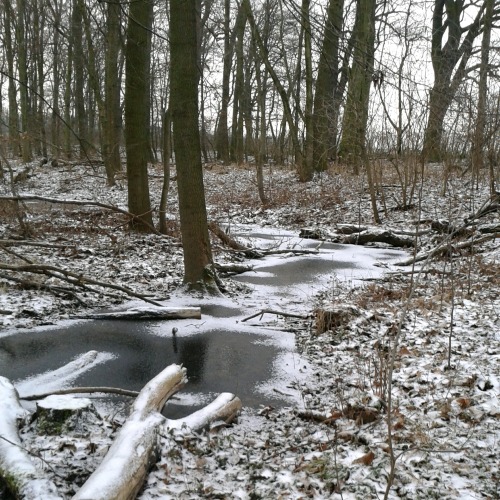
x=278, y=313
x=83, y=390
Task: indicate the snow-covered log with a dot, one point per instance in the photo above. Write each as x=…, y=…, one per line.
x=145, y=312
x=122, y=472
x=23, y=479
x=226, y=407
x=378, y=236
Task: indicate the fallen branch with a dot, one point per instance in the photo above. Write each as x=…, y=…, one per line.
x=278, y=313
x=82, y=390
x=147, y=313
x=20, y=243
x=225, y=238
x=378, y=236
x=73, y=278
x=56, y=290
x=232, y=269
x=226, y=407
x=113, y=208
x=444, y=247
x=54, y=380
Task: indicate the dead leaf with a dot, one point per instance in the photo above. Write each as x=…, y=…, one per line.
x=365, y=459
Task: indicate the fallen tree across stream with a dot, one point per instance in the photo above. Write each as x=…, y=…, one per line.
x=146, y=313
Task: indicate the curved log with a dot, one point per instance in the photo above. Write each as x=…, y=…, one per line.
x=123, y=470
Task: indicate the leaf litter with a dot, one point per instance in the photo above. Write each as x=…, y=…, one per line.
x=333, y=442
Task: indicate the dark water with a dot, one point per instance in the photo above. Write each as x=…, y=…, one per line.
x=218, y=359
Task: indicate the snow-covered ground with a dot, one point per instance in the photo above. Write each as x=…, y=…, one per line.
x=333, y=443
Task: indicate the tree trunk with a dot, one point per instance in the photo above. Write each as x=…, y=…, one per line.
x=79, y=76
x=326, y=84
x=23, y=479
x=358, y=94
x=446, y=53
x=239, y=82
x=56, y=79
x=38, y=29
x=184, y=106
x=166, y=154
x=306, y=169
x=277, y=83
x=22, y=66
x=136, y=111
x=222, y=144
x=478, y=143
x=112, y=113
x=9, y=52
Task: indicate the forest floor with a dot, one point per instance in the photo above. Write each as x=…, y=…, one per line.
x=445, y=408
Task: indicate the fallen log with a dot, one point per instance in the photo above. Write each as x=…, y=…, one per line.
x=124, y=468
x=54, y=380
x=226, y=407
x=19, y=473
x=378, y=236
x=146, y=313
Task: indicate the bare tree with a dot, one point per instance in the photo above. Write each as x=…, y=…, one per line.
x=184, y=19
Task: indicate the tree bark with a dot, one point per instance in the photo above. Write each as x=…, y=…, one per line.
x=9, y=52
x=358, y=95
x=222, y=144
x=184, y=106
x=127, y=462
x=478, y=142
x=326, y=84
x=112, y=117
x=136, y=111
x=22, y=66
x=447, y=51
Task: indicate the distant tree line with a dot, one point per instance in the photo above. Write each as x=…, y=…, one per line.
x=301, y=83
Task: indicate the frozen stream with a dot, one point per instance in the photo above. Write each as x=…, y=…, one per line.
x=221, y=354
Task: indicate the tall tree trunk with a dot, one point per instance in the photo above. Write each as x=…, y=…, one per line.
x=222, y=143
x=137, y=57
x=39, y=28
x=79, y=77
x=112, y=112
x=166, y=154
x=68, y=131
x=448, y=51
x=184, y=17
x=306, y=170
x=236, y=151
x=9, y=52
x=22, y=66
x=326, y=84
x=358, y=94
x=56, y=80
x=478, y=141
